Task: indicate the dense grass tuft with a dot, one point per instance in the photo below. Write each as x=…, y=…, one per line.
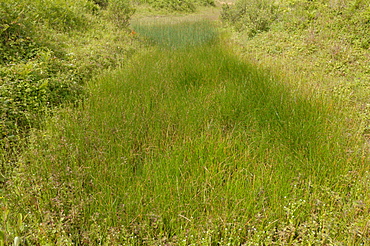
x=180, y=35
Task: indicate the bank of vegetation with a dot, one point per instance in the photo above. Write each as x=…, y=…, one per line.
x=175, y=5
x=48, y=52
x=321, y=44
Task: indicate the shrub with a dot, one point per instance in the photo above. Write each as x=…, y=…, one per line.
x=34, y=77
x=36, y=71
x=62, y=17
x=351, y=18
x=120, y=11
x=204, y=2
x=15, y=28
x=176, y=5
x=173, y=5
x=101, y=3
x=29, y=88
x=254, y=16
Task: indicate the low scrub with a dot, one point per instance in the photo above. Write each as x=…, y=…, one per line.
x=252, y=16
x=178, y=5
x=351, y=18
x=324, y=44
x=46, y=59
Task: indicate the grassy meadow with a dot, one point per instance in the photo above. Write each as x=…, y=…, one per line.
x=189, y=144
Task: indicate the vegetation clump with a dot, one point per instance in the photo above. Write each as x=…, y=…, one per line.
x=177, y=5
x=40, y=67
x=252, y=16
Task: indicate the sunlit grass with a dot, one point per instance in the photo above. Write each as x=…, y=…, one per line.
x=176, y=35
x=192, y=146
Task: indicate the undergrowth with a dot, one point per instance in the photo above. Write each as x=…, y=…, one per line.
x=313, y=44
x=187, y=6
x=49, y=50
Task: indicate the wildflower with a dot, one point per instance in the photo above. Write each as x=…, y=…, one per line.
x=17, y=241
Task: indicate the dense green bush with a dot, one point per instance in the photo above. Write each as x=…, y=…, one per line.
x=120, y=12
x=101, y=3
x=37, y=71
x=204, y=2
x=177, y=5
x=32, y=75
x=15, y=43
x=254, y=16
x=173, y=5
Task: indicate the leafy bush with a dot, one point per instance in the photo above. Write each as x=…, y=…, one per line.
x=62, y=17
x=33, y=77
x=28, y=89
x=173, y=5
x=101, y=3
x=15, y=43
x=37, y=73
x=120, y=12
x=204, y=2
x=176, y=5
x=254, y=16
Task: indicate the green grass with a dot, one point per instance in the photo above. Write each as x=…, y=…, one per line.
x=192, y=146
x=178, y=35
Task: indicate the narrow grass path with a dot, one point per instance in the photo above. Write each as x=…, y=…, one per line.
x=190, y=145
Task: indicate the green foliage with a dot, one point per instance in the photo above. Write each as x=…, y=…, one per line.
x=101, y=3
x=173, y=5
x=120, y=11
x=14, y=32
x=352, y=18
x=253, y=16
x=38, y=67
x=322, y=45
x=62, y=17
x=181, y=146
x=177, y=5
x=27, y=89
x=204, y=2
x=33, y=77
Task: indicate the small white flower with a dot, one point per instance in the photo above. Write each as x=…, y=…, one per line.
x=17, y=241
